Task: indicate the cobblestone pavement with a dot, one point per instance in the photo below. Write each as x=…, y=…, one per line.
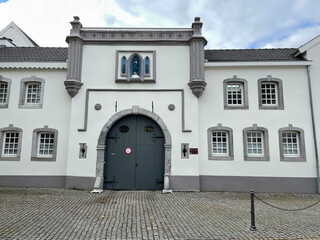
x=29, y=213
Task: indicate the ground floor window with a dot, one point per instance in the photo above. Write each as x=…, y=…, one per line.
x=292, y=144
x=10, y=143
x=44, y=144
x=220, y=143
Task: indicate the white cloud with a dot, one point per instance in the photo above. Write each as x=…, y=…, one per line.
x=227, y=23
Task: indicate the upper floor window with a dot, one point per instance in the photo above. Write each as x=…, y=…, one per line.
x=292, y=144
x=256, y=145
x=123, y=65
x=220, y=143
x=270, y=93
x=44, y=144
x=31, y=92
x=147, y=66
x=135, y=66
x=235, y=93
x=10, y=143
x=5, y=84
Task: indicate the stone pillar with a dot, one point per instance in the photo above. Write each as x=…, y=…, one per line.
x=73, y=82
x=197, y=42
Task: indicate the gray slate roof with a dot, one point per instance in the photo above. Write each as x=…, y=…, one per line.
x=49, y=54
x=33, y=54
x=252, y=55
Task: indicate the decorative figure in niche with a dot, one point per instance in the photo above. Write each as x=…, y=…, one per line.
x=123, y=65
x=135, y=67
x=147, y=66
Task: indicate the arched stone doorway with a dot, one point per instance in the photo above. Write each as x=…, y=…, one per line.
x=98, y=186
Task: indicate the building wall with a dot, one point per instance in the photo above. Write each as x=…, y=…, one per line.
x=98, y=72
x=296, y=112
x=54, y=113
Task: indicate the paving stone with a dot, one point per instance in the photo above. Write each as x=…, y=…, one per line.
x=29, y=213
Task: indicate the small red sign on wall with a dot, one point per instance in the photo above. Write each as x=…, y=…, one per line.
x=193, y=150
x=128, y=151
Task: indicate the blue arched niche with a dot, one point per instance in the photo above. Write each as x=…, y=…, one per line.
x=135, y=66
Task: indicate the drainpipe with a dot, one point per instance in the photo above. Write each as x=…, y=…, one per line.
x=314, y=130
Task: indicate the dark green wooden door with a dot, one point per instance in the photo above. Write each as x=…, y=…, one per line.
x=134, y=156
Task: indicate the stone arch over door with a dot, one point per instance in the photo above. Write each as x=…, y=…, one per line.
x=98, y=186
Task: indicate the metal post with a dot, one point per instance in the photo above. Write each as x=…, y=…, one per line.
x=253, y=224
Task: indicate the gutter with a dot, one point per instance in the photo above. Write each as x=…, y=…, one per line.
x=314, y=130
x=257, y=64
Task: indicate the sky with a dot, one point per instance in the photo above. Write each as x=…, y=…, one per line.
x=227, y=24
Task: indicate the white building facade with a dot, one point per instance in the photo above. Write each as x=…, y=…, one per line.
x=151, y=109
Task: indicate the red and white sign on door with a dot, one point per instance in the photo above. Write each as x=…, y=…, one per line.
x=128, y=150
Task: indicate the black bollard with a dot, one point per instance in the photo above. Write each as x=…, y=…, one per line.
x=253, y=224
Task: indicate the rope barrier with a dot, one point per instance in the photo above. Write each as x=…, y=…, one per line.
x=286, y=209
x=252, y=196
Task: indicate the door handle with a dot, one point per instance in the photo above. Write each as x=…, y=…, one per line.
x=136, y=164
x=113, y=154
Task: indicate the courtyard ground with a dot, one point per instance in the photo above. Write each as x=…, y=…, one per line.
x=30, y=213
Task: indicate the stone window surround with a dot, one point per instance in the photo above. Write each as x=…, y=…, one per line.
x=302, y=148
x=8, y=82
x=264, y=131
x=2, y=132
x=23, y=89
x=244, y=83
x=35, y=142
x=230, y=143
x=142, y=79
x=278, y=82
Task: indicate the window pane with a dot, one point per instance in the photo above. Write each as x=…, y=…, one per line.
x=255, y=143
x=220, y=143
x=235, y=94
x=11, y=140
x=269, y=93
x=45, y=144
x=290, y=144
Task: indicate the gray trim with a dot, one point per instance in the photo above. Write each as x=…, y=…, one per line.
x=185, y=183
x=9, y=129
x=108, y=35
x=245, y=99
x=128, y=35
x=8, y=81
x=84, y=129
x=34, y=149
x=84, y=183
x=23, y=89
x=33, y=181
x=142, y=79
x=230, y=143
x=266, y=156
x=75, y=54
x=278, y=81
x=102, y=138
x=302, y=148
x=258, y=184
x=197, y=42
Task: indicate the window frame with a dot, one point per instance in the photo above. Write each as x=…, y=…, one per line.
x=25, y=82
x=279, y=95
x=301, y=145
x=245, y=100
x=3, y=132
x=229, y=131
x=266, y=154
x=36, y=141
x=8, y=82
